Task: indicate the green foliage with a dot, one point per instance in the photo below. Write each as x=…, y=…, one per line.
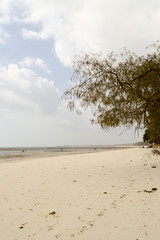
x=121, y=89
x=146, y=136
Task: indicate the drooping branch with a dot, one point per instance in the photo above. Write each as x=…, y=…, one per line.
x=119, y=91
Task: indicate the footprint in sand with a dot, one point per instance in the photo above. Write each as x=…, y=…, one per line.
x=100, y=214
x=50, y=228
x=123, y=196
x=89, y=208
x=58, y=236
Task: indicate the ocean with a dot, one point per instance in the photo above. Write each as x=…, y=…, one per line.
x=19, y=153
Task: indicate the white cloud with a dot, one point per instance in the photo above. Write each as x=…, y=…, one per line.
x=30, y=106
x=23, y=90
x=88, y=25
x=29, y=62
x=32, y=114
x=93, y=25
x=5, y=6
x=64, y=128
x=3, y=36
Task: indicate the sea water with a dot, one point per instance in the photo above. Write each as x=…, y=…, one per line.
x=8, y=154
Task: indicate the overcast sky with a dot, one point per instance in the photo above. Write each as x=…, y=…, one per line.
x=38, y=40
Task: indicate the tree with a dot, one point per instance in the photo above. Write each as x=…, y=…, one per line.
x=146, y=136
x=153, y=127
x=121, y=89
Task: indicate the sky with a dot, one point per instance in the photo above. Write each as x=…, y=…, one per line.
x=38, y=42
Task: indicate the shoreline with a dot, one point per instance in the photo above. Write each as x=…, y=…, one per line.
x=109, y=194
x=65, y=151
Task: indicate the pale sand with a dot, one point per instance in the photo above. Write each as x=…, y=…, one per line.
x=96, y=196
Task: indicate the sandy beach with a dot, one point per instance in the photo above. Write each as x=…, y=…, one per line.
x=111, y=195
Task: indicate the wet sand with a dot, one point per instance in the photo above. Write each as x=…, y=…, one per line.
x=103, y=195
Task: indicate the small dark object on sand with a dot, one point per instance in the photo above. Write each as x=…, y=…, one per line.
x=148, y=191
x=151, y=191
x=52, y=213
x=154, y=189
x=154, y=167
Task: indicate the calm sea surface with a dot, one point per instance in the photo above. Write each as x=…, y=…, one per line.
x=8, y=154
